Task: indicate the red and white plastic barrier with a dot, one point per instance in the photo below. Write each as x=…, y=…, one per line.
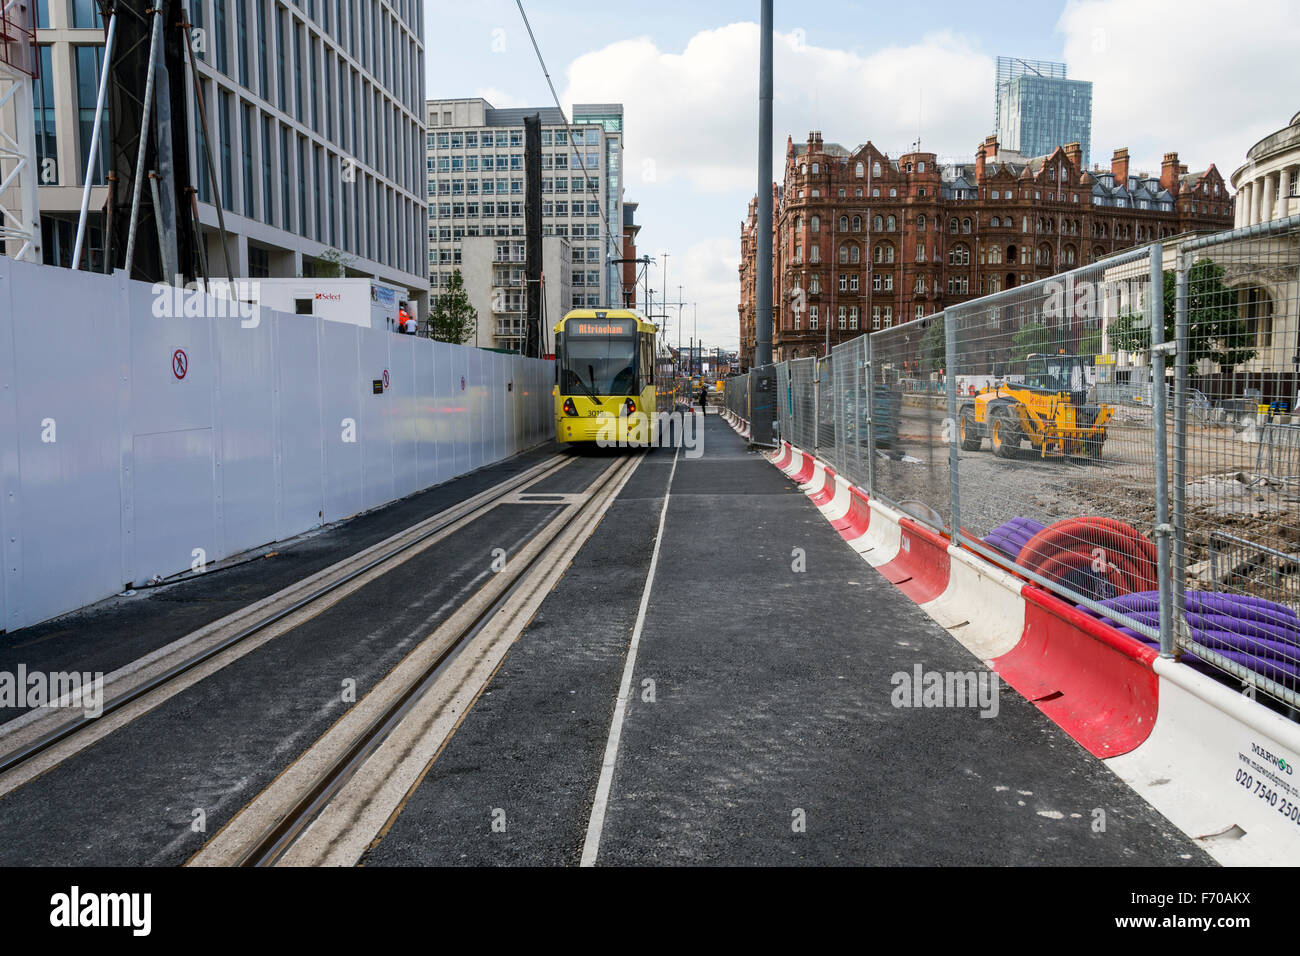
x=856, y=519
x=920, y=569
x=817, y=479
x=836, y=506
x=741, y=426
x=1195, y=750
x=982, y=607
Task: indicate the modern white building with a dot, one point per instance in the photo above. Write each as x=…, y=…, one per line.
x=315, y=116
x=476, y=169
x=493, y=272
x=1268, y=185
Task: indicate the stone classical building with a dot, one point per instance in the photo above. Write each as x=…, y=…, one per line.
x=1268, y=185
x=863, y=241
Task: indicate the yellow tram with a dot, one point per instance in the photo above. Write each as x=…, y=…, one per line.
x=605, y=378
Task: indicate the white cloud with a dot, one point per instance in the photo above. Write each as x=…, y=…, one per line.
x=501, y=99
x=1194, y=76
x=1200, y=77
x=711, y=290
x=693, y=115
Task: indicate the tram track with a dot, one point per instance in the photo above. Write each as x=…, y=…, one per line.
x=340, y=795
x=41, y=739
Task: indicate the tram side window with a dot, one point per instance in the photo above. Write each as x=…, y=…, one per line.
x=647, y=361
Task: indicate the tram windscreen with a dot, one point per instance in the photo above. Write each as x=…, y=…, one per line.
x=601, y=361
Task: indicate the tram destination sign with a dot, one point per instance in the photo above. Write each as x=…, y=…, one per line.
x=601, y=327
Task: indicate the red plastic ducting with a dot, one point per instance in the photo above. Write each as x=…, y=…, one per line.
x=1071, y=545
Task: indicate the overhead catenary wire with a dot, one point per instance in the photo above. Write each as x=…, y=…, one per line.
x=609, y=231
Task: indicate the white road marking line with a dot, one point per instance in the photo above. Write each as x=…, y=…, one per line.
x=591, y=846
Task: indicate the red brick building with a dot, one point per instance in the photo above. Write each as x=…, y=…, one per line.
x=864, y=242
x=628, y=266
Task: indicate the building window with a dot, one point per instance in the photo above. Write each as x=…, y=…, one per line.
x=85, y=15
x=297, y=71
x=268, y=204
x=302, y=190
x=47, y=152
x=89, y=62
x=286, y=164
x=241, y=39
x=219, y=40
x=227, y=158
x=246, y=157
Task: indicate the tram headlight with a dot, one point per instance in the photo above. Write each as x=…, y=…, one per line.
x=630, y=406
x=570, y=408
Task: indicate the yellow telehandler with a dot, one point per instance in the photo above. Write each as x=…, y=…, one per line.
x=1049, y=409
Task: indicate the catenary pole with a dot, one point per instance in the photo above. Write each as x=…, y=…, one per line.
x=763, y=257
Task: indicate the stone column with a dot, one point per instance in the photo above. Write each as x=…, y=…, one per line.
x=1256, y=199
x=1283, y=191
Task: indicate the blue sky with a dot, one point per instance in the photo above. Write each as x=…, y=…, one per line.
x=687, y=75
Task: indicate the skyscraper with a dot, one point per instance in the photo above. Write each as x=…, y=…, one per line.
x=1038, y=108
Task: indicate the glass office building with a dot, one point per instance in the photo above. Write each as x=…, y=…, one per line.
x=1038, y=113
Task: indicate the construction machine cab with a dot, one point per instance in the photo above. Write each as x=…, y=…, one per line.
x=1056, y=373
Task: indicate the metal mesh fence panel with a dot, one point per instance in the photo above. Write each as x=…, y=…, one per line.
x=735, y=395
x=1234, y=304
x=909, y=419
x=1053, y=478
x=824, y=395
x=762, y=397
x=801, y=397
x=852, y=446
x=784, y=411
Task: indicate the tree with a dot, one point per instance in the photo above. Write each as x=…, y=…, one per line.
x=934, y=346
x=332, y=263
x=453, y=319
x=1035, y=338
x=1216, y=330
x=1031, y=338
